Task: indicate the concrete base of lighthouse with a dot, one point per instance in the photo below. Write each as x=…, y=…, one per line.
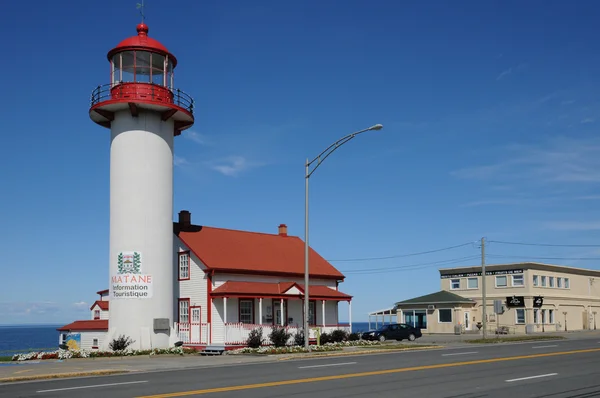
x=141, y=231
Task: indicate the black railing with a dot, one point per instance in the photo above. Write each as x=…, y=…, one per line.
x=142, y=91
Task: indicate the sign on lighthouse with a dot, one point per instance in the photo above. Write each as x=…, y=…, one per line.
x=144, y=112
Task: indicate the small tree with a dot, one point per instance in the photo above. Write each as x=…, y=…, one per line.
x=339, y=335
x=255, y=338
x=279, y=337
x=353, y=336
x=299, y=338
x=121, y=343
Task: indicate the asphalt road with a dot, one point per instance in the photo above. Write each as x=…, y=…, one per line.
x=568, y=368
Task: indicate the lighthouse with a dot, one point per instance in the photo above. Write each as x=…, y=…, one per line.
x=144, y=112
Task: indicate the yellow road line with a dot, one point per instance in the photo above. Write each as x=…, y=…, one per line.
x=22, y=371
x=364, y=374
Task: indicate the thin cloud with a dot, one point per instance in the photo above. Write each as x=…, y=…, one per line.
x=587, y=120
x=22, y=308
x=81, y=305
x=510, y=70
x=195, y=137
x=573, y=225
x=179, y=161
x=232, y=166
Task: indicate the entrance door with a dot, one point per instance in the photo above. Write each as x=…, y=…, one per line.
x=195, y=325
x=278, y=312
x=467, y=320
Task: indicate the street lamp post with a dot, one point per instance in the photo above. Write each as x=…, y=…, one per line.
x=319, y=159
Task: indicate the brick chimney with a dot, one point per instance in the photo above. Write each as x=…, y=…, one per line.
x=185, y=219
x=283, y=230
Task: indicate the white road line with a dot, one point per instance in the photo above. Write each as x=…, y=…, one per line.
x=531, y=377
x=460, y=353
x=94, y=386
x=545, y=346
x=325, y=365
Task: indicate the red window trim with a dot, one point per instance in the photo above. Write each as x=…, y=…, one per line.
x=184, y=252
x=253, y=309
x=285, y=319
x=97, y=316
x=314, y=304
x=179, y=309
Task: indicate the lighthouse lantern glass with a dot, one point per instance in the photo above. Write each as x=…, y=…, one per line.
x=142, y=67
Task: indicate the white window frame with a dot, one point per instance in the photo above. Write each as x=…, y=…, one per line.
x=476, y=283
x=184, y=311
x=536, y=280
x=184, y=265
x=567, y=285
x=550, y=281
x=551, y=316
x=521, y=277
x=95, y=343
x=451, y=315
x=99, y=314
x=544, y=319
x=559, y=282
x=544, y=277
x=517, y=310
x=536, y=316
x=245, y=315
x=501, y=276
x=452, y=281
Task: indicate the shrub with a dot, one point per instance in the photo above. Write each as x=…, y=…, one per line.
x=354, y=336
x=121, y=343
x=255, y=338
x=325, y=338
x=279, y=337
x=339, y=335
x=299, y=338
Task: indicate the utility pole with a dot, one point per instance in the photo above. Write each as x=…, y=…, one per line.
x=483, y=292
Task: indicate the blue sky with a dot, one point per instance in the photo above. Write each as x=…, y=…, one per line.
x=490, y=114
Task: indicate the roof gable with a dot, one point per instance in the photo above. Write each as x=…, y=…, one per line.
x=264, y=289
x=441, y=297
x=103, y=304
x=235, y=251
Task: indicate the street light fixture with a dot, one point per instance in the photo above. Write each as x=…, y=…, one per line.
x=319, y=159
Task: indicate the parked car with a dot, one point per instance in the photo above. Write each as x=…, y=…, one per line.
x=397, y=331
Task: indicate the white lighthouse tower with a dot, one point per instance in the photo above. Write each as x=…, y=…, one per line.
x=144, y=113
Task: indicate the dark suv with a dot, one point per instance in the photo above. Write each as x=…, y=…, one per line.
x=397, y=331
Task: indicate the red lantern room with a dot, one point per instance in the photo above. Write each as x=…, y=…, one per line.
x=141, y=78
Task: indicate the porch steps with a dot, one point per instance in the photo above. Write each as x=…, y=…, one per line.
x=213, y=350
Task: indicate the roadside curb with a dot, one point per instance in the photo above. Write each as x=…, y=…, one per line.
x=361, y=352
x=63, y=375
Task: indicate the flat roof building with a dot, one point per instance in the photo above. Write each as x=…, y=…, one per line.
x=520, y=298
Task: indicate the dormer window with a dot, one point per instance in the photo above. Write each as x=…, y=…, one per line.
x=96, y=314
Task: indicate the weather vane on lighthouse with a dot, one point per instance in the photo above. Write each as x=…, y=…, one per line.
x=140, y=6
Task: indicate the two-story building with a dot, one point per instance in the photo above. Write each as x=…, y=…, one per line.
x=229, y=282
x=520, y=298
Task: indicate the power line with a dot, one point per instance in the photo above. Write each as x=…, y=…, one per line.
x=409, y=267
x=539, y=244
x=544, y=258
x=402, y=255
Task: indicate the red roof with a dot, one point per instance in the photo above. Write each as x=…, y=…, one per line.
x=103, y=292
x=234, y=251
x=97, y=324
x=142, y=42
x=103, y=304
x=264, y=289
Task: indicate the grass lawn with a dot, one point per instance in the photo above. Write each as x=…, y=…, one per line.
x=5, y=359
x=508, y=339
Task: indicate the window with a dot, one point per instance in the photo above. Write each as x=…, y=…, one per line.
x=559, y=283
x=551, y=316
x=551, y=281
x=536, y=318
x=96, y=314
x=95, y=343
x=246, y=311
x=566, y=283
x=472, y=283
x=455, y=284
x=184, y=310
x=517, y=280
x=520, y=315
x=535, y=280
x=501, y=281
x=312, y=311
x=543, y=316
x=543, y=281
x=184, y=266
x=445, y=316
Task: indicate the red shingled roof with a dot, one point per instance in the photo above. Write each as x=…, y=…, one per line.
x=103, y=304
x=236, y=251
x=98, y=324
x=264, y=289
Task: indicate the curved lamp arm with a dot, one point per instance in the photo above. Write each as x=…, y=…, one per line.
x=331, y=148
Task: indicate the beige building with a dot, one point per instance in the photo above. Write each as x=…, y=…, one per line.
x=530, y=297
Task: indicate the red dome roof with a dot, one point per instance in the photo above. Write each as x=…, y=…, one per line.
x=142, y=42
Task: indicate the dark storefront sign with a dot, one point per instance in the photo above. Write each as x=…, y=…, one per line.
x=469, y=274
x=538, y=302
x=515, y=301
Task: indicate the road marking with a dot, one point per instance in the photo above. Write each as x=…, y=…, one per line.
x=545, y=346
x=94, y=386
x=327, y=364
x=364, y=374
x=23, y=371
x=459, y=353
x=531, y=377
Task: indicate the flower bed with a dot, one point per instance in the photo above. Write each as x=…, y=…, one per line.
x=294, y=349
x=68, y=354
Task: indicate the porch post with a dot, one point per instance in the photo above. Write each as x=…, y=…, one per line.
x=282, y=311
x=260, y=311
x=350, y=316
x=224, y=310
x=323, y=311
